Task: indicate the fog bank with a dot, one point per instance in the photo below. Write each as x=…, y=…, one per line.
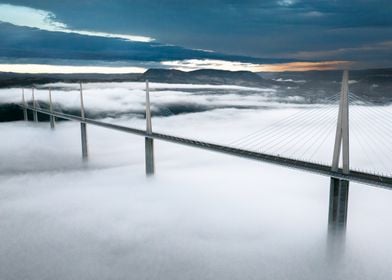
x=202, y=216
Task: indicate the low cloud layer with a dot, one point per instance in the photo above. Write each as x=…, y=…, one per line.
x=203, y=215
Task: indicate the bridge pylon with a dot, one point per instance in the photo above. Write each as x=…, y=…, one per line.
x=149, y=142
x=339, y=189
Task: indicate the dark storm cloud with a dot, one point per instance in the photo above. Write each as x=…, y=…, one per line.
x=274, y=28
x=34, y=43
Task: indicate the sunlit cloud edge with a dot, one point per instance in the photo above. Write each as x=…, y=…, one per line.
x=46, y=20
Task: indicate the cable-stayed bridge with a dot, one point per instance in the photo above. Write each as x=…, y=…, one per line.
x=288, y=143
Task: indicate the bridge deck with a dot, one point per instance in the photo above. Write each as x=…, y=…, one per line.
x=356, y=176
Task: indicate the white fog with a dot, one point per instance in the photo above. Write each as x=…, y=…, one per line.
x=203, y=215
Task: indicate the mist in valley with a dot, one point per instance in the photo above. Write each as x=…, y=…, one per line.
x=203, y=215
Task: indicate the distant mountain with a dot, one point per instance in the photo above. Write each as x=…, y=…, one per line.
x=206, y=76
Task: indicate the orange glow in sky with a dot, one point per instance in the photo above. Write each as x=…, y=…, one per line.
x=304, y=66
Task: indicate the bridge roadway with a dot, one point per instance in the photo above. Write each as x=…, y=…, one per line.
x=355, y=176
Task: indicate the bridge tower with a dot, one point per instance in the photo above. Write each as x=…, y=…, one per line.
x=149, y=142
x=338, y=198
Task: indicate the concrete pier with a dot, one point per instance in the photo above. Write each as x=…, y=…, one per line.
x=338, y=204
x=83, y=126
x=149, y=142
x=51, y=117
x=25, y=116
x=149, y=146
x=35, y=114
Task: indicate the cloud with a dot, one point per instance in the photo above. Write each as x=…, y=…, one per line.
x=257, y=28
x=203, y=216
x=183, y=65
x=66, y=69
x=35, y=46
x=254, y=28
x=45, y=20
x=340, y=52
x=306, y=66
x=286, y=3
x=25, y=16
x=312, y=14
x=194, y=64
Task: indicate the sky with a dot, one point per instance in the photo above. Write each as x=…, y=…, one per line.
x=270, y=35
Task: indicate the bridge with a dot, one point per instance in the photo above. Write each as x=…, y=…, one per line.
x=340, y=176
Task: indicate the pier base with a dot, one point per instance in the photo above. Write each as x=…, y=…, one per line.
x=83, y=130
x=149, y=150
x=52, y=122
x=52, y=119
x=338, y=205
x=35, y=116
x=25, y=116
